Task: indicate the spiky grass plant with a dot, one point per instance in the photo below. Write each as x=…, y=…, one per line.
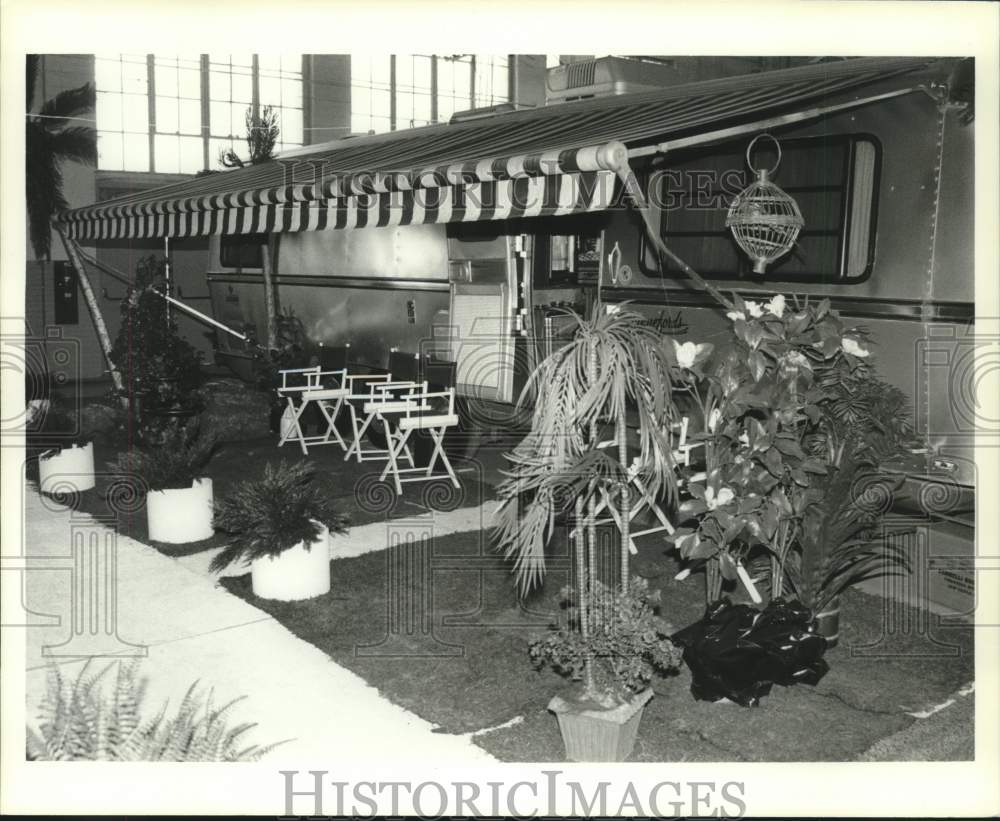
x=267, y=516
x=840, y=542
x=78, y=721
x=614, y=362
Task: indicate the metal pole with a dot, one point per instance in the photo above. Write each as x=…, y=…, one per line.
x=95, y=310
x=166, y=273
x=203, y=317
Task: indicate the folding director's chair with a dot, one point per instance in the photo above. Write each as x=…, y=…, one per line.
x=645, y=500
x=322, y=388
x=379, y=401
x=431, y=411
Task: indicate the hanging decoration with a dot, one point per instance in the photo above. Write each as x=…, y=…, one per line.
x=765, y=221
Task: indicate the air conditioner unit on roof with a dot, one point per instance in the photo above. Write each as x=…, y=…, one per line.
x=606, y=76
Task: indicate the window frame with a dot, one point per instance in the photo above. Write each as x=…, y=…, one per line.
x=744, y=272
x=209, y=140
x=436, y=93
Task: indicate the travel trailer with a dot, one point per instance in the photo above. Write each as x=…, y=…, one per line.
x=461, y=240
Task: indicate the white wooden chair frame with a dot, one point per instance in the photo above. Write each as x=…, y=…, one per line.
x=436, y=423
x=381, y=400
x=682, y=454
x=313, y=391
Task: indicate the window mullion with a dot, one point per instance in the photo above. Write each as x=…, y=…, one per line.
x=206, y=115
x=151, y=108
x=434, y=88
x=392, y=92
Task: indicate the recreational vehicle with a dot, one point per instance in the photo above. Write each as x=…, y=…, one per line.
x=461, y=241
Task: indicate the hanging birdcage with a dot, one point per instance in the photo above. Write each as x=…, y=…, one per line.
x=765, y=221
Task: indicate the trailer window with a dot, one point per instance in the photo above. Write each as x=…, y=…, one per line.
x=242, y=251
x=833, y=179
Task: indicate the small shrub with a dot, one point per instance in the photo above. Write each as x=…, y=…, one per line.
x=267, y=516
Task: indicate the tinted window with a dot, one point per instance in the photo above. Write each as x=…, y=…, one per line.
x=833, y=180
x=242, y=251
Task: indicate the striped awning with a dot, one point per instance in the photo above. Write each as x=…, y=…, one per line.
x=559, y=159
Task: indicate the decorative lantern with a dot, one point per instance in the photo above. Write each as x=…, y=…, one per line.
x=765, y=221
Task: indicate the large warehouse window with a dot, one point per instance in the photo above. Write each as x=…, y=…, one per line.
x=173, y=114
x=390, y=92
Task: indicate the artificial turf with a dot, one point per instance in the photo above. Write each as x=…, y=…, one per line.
x=436, y=626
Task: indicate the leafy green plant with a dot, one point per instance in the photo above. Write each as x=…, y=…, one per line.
x=267, y=516
x=176, y=463
x=759, y=406
x=157, y=364
x=623, y=638
x=794, y=419
x=78, y=721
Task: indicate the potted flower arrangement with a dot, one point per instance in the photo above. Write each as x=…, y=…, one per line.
x=280, y=525
x=615, y=655
x=179, y=497
x=769, y=450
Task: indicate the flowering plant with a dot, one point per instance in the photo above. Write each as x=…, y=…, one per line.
x=758, y=406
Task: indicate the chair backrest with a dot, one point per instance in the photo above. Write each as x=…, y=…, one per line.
x=439, y=373
x=333, y=358
x=404, y=367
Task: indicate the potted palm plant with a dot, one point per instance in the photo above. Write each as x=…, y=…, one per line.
x=576, y=454
x=179, y=497
x=615, y=656
x=280, y=525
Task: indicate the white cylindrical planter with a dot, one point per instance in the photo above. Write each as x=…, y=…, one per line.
x=181, y=515
x=71, y=470
x=296, y=573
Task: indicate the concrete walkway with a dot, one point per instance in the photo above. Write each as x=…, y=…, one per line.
x=190, y=629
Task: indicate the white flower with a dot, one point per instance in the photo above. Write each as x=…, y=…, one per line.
x=854, y=348
x=734, y=315
x=712, y=501
x=687, y=354
x=713, y=419
x=777, y=305
x=754, y=309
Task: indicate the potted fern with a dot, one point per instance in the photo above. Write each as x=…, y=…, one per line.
x=280, y=525
x=615, y=655
x=179, y=497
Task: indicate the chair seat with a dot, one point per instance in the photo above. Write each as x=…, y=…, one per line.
x=325, y=393
x=392, y=406
x=424, y=422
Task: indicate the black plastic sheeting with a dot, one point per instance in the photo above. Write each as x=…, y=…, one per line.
x=738, y=652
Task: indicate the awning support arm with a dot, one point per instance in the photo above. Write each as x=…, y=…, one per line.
x=72, y=251
x=761, y=125
x=634, y=190
x=170, y=300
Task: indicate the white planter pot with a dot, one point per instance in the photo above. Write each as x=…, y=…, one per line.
x=295, y=574
x=71, y=470
x=181, y=515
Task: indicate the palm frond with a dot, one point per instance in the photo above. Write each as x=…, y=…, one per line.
x=78, y=144
x=69, y=103
x=613, y=362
